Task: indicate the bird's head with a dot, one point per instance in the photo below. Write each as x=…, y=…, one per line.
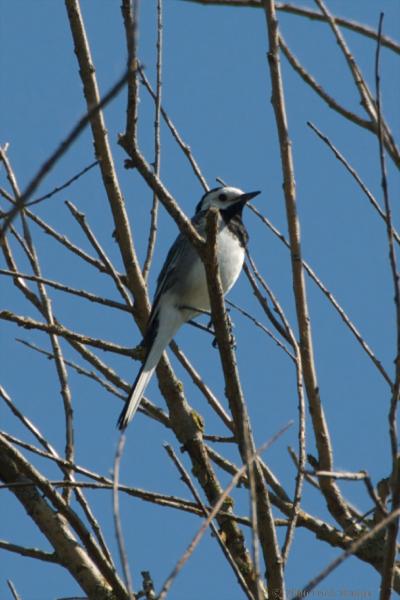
x=224, y=197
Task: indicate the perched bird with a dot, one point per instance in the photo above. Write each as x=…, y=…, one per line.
x=182, y=291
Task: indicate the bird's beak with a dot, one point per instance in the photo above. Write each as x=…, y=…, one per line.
x=248, y=196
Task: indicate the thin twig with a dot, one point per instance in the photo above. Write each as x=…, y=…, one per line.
x=78, y=368
x=62, y=239
x=157, y=143
x=335, y=501
x=59, y=152
x=57, y=329
x=47, y=311
x=352, y=549
x=282, y=326
x=117, y=517
x=389, y=561
x=130, y=15
x=81, y=219
x=321, y=91
x=354, y=174
x=103, y=483
x=366, y=97
x=236, y=478
x=260, y=326
x=56, y=519
x=311, y=273
x=184, y=147
x=308, y=13
x=103, y=152
x=311, y=480
x=188, y=482
x=29, y=552
x=289, y=335
x=146, y=407
x=301, y=453
x=14, y=592
x=291, y=338
x=64, y=464
x=64, y=185
x=198, y=380
x=67, y=289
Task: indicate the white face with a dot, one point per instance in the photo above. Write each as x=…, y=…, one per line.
x=222, y=197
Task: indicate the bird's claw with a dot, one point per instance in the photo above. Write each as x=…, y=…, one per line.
x=232, y=339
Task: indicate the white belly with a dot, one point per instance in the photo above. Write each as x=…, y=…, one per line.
x=230, y=258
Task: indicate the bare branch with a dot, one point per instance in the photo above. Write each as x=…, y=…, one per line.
x=188, y=482
x=106, y=162
x=389, y=563
x=157, y=143
x=86, y=563
x=67, y=289
x=352, y=549
x=214, y=512
x=366, y=97
x=202, y=386
x=117, y=517
x=184, y=147
x=29, y=552
x=311, y=273
x=57, y=329
x=81, y=219
x=14, y=592
x=237, y=406
x=335, y=502
x=59, y=152
x=64, y=185
x=354, y=174
x=309, y=14
x=260, y=326
x=130, y=15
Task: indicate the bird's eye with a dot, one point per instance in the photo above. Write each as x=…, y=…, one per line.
x=222, y=197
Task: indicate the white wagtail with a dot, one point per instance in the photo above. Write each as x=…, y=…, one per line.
x=182, y=291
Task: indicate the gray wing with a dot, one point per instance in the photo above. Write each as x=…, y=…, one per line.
x=174, y=265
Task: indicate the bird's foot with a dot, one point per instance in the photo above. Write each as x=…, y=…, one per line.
x=232, y=339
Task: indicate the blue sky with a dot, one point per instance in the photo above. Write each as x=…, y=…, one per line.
x=216, y=88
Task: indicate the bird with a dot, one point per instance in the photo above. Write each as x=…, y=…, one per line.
x=182, y=292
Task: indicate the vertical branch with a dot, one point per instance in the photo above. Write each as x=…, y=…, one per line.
x=393, y=527
x=48, y=313
x=288, y=334
x=157, y=142
x=302, y=455
x=188, y=482
x=117, y=517
x=234, y=393
x=106, y=161
x=130, y=15
x=335, y=502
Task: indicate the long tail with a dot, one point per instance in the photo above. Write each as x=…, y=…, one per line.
x=135, y=396
x=162, y=328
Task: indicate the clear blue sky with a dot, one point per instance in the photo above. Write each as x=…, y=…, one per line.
x=216, y=88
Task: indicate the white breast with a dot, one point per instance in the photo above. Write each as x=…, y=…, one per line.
x=193, y=292
x=230, y=258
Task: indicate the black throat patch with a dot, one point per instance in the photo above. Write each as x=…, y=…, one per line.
x=232, y=216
